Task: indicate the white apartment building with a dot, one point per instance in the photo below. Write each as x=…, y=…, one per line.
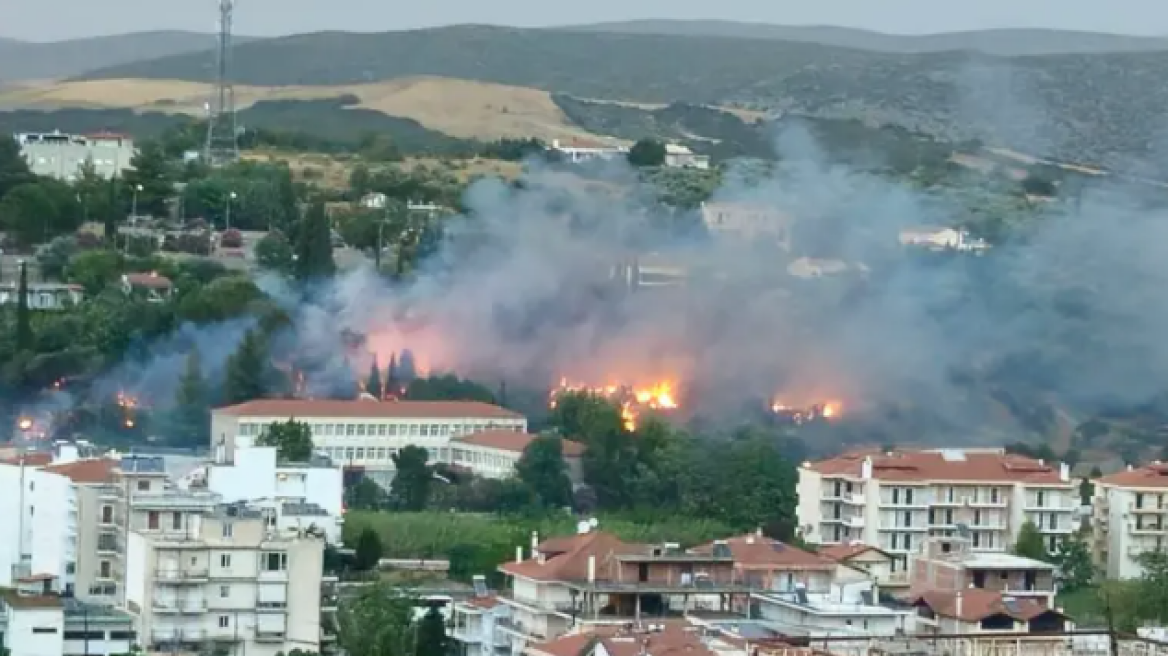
x=364, y=433
x=39, y=534
x=844, y=611
x=474, y=625
x=226, y=578
x=299, y=494
x=495, y=453
x=34, y=623
x=896, y=500
x=1128, y=518
x=61, y=156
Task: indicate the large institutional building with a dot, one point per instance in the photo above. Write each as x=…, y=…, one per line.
x=62, y=156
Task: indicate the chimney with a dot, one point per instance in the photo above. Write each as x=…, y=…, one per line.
x=1064, y=472
x=518, y=554
x=1129, y=466
x=866, y=468
x=957, y=604
x=592, y=569
x=534, y=542
x=758, y=532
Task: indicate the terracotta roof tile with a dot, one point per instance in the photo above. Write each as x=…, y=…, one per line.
x=19, y=601
x=752, y=551
x=844, y=552
x=978, y=604
x=672, y=640
x=33, y=459
x=926, y=466
x=506, y=440
x=368, y=409
x=1154, y=475
x=90, y=470
x=151, y=280
x=486, y=603
x=570, y=562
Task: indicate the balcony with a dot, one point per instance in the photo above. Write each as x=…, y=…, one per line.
x=516, y=628
x=174, y=636
x=180, y=606
x=185, y=575
x=270, y=575
x=271, y=606
x=1147, y=529
x=469, y=635
x=855, y=498
x=986, y=502
x=855, y=521
x=269, y=635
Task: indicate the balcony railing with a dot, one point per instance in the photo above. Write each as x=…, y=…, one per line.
x=168, y=636
x=271, y=606
x=183, y=606
x=181, y=575
x=269, y=635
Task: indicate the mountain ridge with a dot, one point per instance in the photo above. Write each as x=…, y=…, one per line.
x=1008, y=42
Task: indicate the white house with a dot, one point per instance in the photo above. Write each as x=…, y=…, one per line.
x=576, y=154
x=40, y=527
x=939, y=239
x=681, y=157
x=43, y=295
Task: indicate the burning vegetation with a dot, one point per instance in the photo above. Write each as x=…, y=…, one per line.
x=803, y=414
x=632, y=399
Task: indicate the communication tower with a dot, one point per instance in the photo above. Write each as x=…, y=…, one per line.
x=222, y=145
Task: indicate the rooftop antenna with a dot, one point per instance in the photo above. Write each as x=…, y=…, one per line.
x=222, y=145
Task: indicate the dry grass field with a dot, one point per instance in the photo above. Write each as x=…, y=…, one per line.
x=333, y=171
x=460, y=108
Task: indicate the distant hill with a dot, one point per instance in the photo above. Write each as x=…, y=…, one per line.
x=1089, y=108
x=25, y=60
x=1003, y=42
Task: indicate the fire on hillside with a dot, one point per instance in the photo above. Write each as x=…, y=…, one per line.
x=803, y=414
x=633, y=399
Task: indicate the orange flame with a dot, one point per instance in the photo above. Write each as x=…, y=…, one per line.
x=802, y=414
x=632, y=399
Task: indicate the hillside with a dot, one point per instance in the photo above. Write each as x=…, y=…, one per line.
x=1088, y=108
x=23, y=60
x=1002, y=42
x=460, y=108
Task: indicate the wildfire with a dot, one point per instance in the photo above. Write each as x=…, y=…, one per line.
x=632, y=399
x=25, y=424
x=127, y=401
x=803, y=414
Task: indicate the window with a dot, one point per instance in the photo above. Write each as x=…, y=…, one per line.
x=1139, y=500
x=1041, y=498
x=993, y=495
x=152, y=519
x=275, y=561
x=107, y=514
x=907, y=519
x=224, y=621
x=360, y=453
x=143, y=486
x=228, y=529
x=82, y=635
x=908, y=496
x=350, y=430
x=381, y=430
x=44, y=629
x=176, y=521
x=895, y=496
x=225, y=561
x=105, y=569
x=122, y=635
x=360, y=430
x=32, y=486
x=224, y=591
x=976, y=544
x=976, y=518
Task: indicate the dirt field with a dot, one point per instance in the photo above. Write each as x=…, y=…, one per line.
x=334, y=171
x=461, y=108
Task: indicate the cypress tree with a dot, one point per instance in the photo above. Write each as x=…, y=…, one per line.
x=23, y=315
x=314, y=246
x=373, y=385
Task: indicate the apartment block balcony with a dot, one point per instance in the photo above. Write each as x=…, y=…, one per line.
x=1147, y=529
x=855, y=521
x=268, y=635
x=271, y=606
x=184, y=575
x=469, y=635
x=168, y=636
x=180, y=606
x=1147, y=510
x=855, y=498
x=985, y=502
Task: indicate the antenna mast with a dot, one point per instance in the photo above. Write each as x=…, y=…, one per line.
x=222, y=138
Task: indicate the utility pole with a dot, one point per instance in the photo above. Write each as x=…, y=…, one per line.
x=222, y=146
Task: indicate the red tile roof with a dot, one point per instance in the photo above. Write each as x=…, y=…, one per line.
x=506, y=440
x=19, y=601
x=1154, y=475
x=33, y=459
x=566, y=559
x=978, y=604
x=753, y=551
x=486, y=603
x=368, y=409
x=845, y=552
x=936, y=466
x=151, y=280
x=672, y=640
x=90, y=470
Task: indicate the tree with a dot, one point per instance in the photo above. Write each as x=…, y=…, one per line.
x=24, y=336
x=273, y=252
x=1030, y=543
x=14, y=169
x=94, y=270
x=53, y=257
x=191, y=417
x=365, y=495
x=432, y=640
x=407, y=371
x=413, y=478
x=376, y=621
x=247, y=369
x=314, y=248
x=1075, y=567
x=35, y=212
x=369, y=550
x=373, y=383
x=152, y=171
x=292, y=439
x=647, y=152
x=542, y=468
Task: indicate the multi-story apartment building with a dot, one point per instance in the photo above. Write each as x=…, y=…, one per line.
x=35, y=622
x=1129, y=518
x=95, y=535
x=950, y=564
x=364, y=433
x=896, y=500
x=61, y=156
x=475, y=623
x=142, y=499
x=227, y=578
x=299, y=494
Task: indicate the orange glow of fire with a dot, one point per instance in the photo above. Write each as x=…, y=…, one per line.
x=632, y=398
x=804, y=413
x=25, y=424
x=126, y=400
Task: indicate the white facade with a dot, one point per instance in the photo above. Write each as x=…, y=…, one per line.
x=1130, y=518
x=682, y=157
x=35, y=630
x=579, y=154
x=939, y=239
x=841, y=612
x=61, y=156
x=254, y=476
x=853, y=504
x=474, y=627
x=364, y=433
x=43, y=295
x=39, y=532
x=231, y=578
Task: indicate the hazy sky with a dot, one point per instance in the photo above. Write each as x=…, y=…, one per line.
x=41, y=20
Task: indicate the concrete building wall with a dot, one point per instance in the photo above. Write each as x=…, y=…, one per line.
x=35, y=631
x=62, y=156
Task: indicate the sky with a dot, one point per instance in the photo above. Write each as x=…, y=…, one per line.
x=46, y=20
